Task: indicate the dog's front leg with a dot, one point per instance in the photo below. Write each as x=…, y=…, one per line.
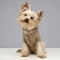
x=25, y=50
x=41, y=51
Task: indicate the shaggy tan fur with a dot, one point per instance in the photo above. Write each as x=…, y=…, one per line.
x=32, y=42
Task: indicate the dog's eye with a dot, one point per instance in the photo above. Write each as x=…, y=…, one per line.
x=31, y=17
x=25, y=14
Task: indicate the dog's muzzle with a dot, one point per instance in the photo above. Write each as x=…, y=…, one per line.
x=26, y=20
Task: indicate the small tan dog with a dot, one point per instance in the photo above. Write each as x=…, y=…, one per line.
x=32, y=42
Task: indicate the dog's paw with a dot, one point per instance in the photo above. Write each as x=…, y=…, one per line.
x=41, y=55
x=24, y=55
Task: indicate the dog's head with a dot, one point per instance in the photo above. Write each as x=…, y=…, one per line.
x=27, y=18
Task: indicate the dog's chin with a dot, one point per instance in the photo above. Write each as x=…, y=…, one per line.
x=28, y=28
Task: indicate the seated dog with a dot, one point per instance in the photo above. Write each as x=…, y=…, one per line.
x=32, y=42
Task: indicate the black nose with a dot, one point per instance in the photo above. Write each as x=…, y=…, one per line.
x=26, y=20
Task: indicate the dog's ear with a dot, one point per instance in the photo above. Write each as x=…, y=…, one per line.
x=40, y=14
x=25, y=6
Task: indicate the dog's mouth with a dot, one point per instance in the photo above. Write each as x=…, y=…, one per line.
x=26, y=20
x=28, y=24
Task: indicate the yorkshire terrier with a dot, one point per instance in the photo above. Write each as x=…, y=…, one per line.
x=32, y=42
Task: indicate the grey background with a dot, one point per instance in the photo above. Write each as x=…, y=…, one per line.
x=11, y=32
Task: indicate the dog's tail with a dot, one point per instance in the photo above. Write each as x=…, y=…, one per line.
x=18, y=51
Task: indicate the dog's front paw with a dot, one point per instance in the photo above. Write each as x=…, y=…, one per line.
x=25, y=54
x=41, y=55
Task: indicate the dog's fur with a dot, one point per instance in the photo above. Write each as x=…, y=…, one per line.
x=32, y=42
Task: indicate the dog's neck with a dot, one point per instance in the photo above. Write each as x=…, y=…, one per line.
x=30, y=31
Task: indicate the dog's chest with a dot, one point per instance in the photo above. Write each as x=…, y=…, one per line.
x=30, y=38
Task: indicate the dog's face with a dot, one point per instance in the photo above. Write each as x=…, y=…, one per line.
x=29, y=19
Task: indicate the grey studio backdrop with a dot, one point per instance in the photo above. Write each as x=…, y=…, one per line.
x=11, y=32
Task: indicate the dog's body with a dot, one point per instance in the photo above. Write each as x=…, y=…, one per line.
x=32, y=42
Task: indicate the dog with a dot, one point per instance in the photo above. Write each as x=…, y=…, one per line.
x=32, y=41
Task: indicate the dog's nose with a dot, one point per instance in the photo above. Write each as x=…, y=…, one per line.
x=26, y=20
